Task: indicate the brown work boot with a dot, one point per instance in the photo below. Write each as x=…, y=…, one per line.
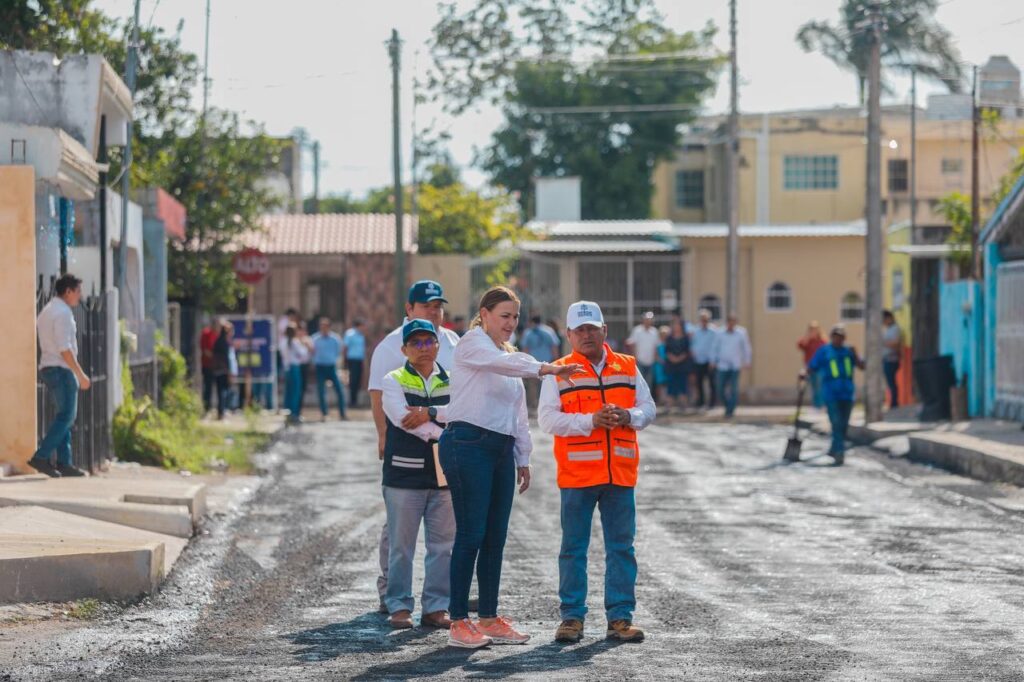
x=624, y=631
x=437, y=619
x=570, y=630
x=401, y=620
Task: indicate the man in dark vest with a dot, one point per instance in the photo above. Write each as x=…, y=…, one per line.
x=415, y=491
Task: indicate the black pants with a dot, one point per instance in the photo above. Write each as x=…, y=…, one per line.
x=208, y=382
x=223, y=383
x=355, y=380
x=703, y=374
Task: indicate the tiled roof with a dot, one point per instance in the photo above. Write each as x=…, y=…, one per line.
x=331, y=234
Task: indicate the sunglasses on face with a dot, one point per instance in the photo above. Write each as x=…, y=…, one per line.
x=423, y=344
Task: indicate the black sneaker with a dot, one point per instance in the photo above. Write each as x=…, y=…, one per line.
x=70, y=471
x=44, y=467
x=839, y=458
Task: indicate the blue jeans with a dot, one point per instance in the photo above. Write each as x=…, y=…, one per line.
x=618, y=522
x=839, y=417
x=293, y=389
x=890, y=368
x=63, y=386
x=325, y=373
x=407, y=510
x=729, y=389
x=814, y=380
x=481, y=472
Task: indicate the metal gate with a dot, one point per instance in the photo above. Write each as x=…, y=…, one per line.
x=627, y=287
x=1010, y=341
x=90, y=437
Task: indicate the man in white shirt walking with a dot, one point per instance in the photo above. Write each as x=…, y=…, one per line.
x=426, y=302
x=62, y=375
x=731, y=354
x=595, y=418
x=643, y=342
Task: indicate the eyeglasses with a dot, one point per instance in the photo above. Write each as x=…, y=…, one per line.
x=423, y=344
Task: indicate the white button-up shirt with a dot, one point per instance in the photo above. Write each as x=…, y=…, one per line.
x=552, y=420
x=732, y=349
x=57, y=333
x=396, y=406
x=487, y=389
x=388, y=355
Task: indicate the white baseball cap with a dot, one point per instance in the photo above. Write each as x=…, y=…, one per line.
x=584, y=312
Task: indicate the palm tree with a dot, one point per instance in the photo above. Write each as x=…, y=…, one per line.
x=912, y=40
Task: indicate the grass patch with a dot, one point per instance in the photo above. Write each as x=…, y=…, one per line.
x=205, y=448
x=86, y=609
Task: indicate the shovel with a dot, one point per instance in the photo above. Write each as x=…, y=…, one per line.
x=794, y=444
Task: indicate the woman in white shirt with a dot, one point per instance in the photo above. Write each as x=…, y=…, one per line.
x=484, y=451
x=294, y=353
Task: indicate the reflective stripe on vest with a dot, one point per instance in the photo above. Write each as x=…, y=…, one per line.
x=846, y=364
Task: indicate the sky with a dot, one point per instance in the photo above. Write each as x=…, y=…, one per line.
x=322, y=65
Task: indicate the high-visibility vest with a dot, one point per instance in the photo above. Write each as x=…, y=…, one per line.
x=409, y=460
x=847, y=367
x=604, y=456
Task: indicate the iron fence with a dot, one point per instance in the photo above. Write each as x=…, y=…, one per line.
x=90, y=437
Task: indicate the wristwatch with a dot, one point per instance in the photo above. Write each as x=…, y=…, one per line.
x=432, y=412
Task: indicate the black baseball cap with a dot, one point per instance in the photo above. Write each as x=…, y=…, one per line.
x=425, y=291
x=413, y=326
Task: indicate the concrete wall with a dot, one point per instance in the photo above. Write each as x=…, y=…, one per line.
x=960, y=333
x=154, y=251
x=819, y=271
x=17, y=310
x=452, y=271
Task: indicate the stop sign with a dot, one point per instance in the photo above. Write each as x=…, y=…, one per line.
x=251, y=265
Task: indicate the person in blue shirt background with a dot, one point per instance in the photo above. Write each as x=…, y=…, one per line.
x=327, y=346
x=355, y=357
x=834, y=363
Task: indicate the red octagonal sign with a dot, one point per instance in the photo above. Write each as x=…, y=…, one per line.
x=251, y=265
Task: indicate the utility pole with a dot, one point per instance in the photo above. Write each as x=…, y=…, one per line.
x=913, y=156
x=395, y=51
x=197, y=351
x=975, y=189
x=874, y=395
x=316, y=176
x=732, y=194
x=126, y=163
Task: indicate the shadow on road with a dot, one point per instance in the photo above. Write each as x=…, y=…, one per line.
x=368, y=633
x=546, y=658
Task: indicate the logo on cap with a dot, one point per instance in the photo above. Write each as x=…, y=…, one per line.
x=584, y=311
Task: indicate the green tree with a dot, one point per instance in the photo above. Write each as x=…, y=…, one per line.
x=617, y=115
x=912, y=40
x=456, y=219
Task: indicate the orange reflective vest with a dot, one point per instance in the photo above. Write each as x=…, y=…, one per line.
x=604, y=456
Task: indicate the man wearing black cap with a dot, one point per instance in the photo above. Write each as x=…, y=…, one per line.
x=426, y=301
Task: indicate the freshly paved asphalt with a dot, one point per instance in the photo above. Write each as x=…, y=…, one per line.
x=749, y=569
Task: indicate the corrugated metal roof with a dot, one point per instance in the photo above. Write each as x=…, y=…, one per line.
x=597, y=246
x=703, y=230
x=602, y=228
x=993, y=226
x=331, y=234
x=927, y=251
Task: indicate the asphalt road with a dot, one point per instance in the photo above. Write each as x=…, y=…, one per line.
x=749, y=569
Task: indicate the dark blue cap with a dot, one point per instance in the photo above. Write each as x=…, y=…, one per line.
x=425, y=291
x=417, y=325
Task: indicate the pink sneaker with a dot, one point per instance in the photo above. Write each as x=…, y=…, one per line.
x=464, y=634
x=502, y=632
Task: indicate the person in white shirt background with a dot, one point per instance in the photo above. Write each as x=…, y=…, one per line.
x=294, y=353
x=425, y=302
x=730, y=354
x=643, y=343
x=484, y=452
x=62, y=375
x=701, y=345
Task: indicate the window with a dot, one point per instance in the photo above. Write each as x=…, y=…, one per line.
x=713, y=304
x=811, y=172
x=952, y=166
x=779, y=298
x=898, y=297
x=899, y=175
x=690, y=189
x=851, y=308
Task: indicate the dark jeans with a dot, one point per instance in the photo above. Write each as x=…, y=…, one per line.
x=325, y=373
x=647, y=372
x=481, y=473
x=63, y=386
x=618, y=523
x=729, y=389
x=704, y=375
x=839, y=417
x=891, y=367
x=223, y=389
x=355, y=381
x=208, y=383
